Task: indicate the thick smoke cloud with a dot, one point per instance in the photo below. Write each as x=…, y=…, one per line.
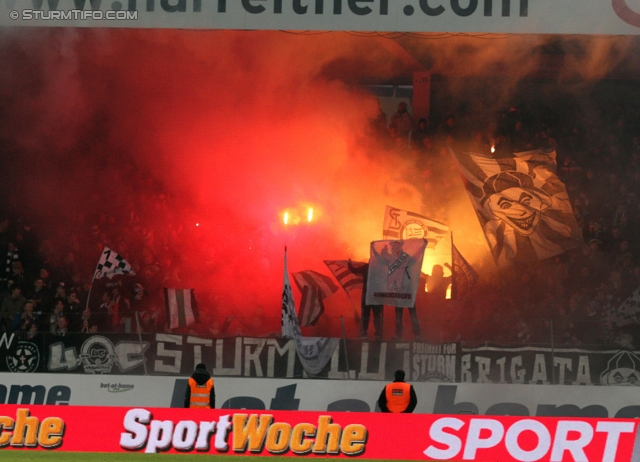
x=211, y=136
x=234, y=127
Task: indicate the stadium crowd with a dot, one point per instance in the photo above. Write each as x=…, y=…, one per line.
x=576, y=298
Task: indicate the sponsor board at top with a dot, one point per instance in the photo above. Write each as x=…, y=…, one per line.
x=301, y=434
x=501, y=16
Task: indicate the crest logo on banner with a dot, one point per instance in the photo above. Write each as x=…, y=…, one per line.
x=25, y=359
x=97, y=355
x=394, y=272
x=402, y=224
x=522, y=205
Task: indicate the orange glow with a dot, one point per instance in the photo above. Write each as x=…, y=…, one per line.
x=447, y=296
x=286, y=218
x=493, y=149
x=310, y=215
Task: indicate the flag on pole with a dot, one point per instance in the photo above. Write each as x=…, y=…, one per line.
x=323, y=283
x=182, y=307
x=402, y=225
x=290, y=326
x=110, y=264
x=315, y=287
x=394, y=272
x=464, y=276
x=522, y=205
x=314, y=352
x=347, y=279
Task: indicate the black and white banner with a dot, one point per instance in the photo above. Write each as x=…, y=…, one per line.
x=170, y=354
x=560, y=366
x=177, y=355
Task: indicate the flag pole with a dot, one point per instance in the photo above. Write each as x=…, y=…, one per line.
x=89, y=293
x=454, y=288
x=144, y=363
x=344, y=342
x=355, y=310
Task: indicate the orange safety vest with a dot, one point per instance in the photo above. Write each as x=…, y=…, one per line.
x=200, y=394
x=398, y=396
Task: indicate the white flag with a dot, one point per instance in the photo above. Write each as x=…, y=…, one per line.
x=110, y=264
x=314, y=352
x=394, y=272
x=290, y=326
x=181, y=306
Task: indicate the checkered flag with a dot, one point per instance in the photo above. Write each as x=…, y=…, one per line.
x=111, y=264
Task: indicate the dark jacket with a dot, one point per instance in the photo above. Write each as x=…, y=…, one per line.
x=201, y=376
x=362, y=270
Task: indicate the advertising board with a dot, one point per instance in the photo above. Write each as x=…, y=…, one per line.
x=321, y=395
x=356, y=435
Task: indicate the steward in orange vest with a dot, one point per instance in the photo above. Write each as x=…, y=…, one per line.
x=200, y=393
x=398, y=396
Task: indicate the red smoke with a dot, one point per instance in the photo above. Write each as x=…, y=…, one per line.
x=233, y=127
x=224, y=129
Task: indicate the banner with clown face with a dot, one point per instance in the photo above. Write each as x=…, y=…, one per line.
x=522, y=205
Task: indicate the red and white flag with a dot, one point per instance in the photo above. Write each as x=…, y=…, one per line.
x=315, y=287
x=181, y=306
x=347, y=279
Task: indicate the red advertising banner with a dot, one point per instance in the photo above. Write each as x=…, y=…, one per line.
x=311, y=434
